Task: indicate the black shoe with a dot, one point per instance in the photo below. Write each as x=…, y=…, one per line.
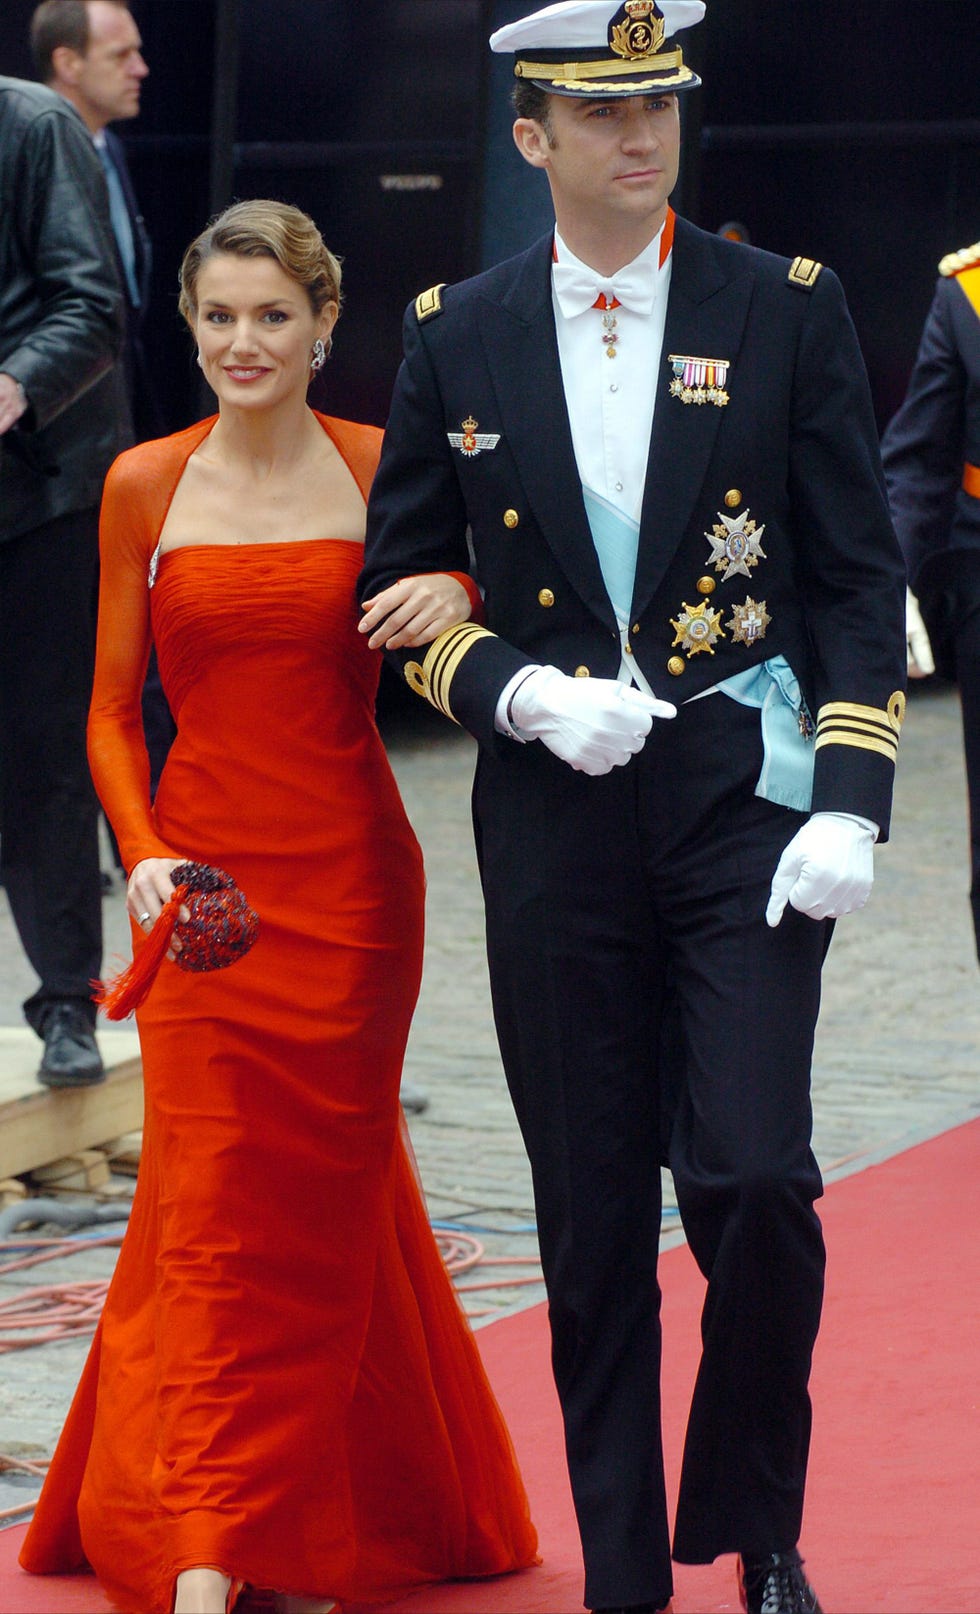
x=776, y=1585
x=635, y=1608
x=71, y=1055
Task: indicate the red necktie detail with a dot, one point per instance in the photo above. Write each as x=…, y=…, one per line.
x=603, y=303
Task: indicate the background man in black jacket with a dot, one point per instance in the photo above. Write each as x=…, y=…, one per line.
x=90, y=52
x=62, y=415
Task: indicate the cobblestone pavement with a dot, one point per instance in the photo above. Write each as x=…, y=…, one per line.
x=896, y=1058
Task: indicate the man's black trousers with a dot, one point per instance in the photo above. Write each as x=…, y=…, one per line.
x=49, y=842
x=646, y=1013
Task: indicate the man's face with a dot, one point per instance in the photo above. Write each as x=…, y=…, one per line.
x=612, y=159
x=106, y=81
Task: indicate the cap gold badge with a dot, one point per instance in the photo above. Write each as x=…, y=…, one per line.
x=641, y=33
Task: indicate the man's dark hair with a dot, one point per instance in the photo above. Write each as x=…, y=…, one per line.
x=531, y=101
x=60, y=22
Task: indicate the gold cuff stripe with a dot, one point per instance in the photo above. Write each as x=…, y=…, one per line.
x=614, y=67
x=803, y=272
x=857, y=725
x=862, y=742
x=429, y=302
x=890, y=716
x=867, y=728
x=443, y=658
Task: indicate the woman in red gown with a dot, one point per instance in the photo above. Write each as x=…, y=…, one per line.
x=283, y=1391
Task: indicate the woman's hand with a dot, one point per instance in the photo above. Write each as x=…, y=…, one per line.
x=149, y=888
x=414, y=611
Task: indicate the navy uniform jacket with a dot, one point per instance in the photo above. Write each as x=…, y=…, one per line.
x=931, y=452
x=794, y=449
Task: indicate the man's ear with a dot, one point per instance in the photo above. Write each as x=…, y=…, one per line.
x=67, y=65
x=532, y=142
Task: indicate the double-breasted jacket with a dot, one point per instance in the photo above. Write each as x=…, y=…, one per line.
x=764, y=530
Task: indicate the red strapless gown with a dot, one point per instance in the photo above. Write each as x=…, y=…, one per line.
x=283, y=1383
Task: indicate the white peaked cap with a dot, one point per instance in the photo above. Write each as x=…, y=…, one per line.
x=583, y=22
x=597, y=48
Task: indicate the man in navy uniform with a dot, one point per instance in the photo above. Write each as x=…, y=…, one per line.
x=931, y=454
x=658, y=448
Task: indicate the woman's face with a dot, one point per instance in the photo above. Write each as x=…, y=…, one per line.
x=255, y=330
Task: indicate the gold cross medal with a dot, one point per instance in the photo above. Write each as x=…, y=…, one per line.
x=471, y=442
x=697, y=627
x=699, y=381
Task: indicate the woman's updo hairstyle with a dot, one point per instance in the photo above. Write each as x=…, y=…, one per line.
x=264, y=229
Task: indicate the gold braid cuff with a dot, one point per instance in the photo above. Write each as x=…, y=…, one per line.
x=434, y=677
x=868, y=728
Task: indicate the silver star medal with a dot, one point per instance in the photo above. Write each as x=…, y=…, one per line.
x=736, y=545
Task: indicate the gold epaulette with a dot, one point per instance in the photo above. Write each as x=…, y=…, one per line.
x=803, y=272
x=869, y=728
x=429, y=303
x=955, y=262
x=434, y=677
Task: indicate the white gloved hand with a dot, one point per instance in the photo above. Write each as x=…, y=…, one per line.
x=593, y=724
x=921, y=662
x=826, y=870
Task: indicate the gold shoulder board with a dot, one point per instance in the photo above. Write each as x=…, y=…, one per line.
x=429, y=303
x=955, y=262
x=803, y=272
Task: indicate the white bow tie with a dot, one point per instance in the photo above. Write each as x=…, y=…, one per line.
x=577, y=289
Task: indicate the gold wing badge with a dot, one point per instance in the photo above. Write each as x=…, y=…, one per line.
x=471, y=442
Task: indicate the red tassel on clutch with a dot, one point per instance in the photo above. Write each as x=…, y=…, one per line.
x=221, y=928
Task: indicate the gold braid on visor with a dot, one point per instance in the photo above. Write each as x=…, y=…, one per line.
x=613, y=67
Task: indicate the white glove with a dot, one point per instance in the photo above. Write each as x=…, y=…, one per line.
x=826, y=870
x=593, y=724
x=921, y=662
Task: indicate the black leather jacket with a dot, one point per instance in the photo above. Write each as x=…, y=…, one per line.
x=61, y=311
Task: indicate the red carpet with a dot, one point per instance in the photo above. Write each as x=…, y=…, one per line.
x=891, y=1520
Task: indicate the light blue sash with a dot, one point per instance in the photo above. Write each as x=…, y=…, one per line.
x=616, y=540
x=787, y=768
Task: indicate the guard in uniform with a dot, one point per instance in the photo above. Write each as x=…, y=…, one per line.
x=931, y=453
x=655, y=451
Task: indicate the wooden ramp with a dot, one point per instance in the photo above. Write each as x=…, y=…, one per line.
x=39, y=1125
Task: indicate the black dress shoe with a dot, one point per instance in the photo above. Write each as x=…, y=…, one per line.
x=635, y=1608
x=776, y=1585
x=71, y=1056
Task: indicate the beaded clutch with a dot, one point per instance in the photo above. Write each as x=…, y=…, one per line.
x=221, y=927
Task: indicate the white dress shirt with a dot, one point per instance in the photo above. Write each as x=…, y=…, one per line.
x=610, y=400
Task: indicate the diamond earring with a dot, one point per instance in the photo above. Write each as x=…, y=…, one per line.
x=318, y=358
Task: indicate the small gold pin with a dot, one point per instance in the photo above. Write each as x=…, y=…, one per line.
x=471, y=442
